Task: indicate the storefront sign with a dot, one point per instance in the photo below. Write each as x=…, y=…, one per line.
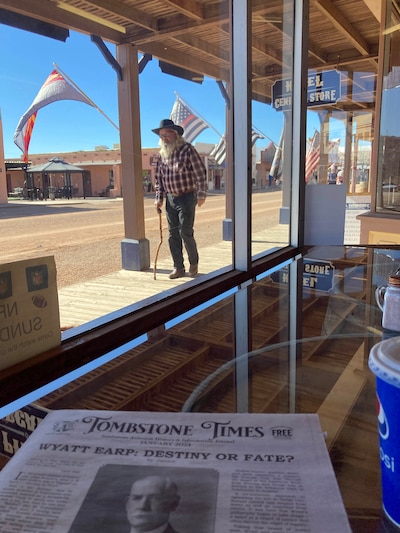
x=317, y=275
x=322, y=88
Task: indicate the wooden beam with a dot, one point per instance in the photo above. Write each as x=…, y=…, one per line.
x=131, y=149
x=315, y=51
x=190, y=8
x=261, y=46
x=129, y=13
x=174, y=26
x=375, y=6
x=349, y=63
x=200, y=44
x=178, y=59
x=342, y=25
x=48, y=11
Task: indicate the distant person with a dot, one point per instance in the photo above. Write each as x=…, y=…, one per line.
x=332, y=174
x=151, y=501
x=181, y=177
x=313, y=179
x=339, y=179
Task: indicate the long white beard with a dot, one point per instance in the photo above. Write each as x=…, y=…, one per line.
x=166, y=150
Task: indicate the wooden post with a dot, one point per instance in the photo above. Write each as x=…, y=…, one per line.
x=135, y=247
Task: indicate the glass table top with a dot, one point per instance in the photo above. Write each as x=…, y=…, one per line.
x=199, y=363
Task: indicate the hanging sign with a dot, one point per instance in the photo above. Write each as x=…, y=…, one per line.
x=317, y=275
x=322, y=88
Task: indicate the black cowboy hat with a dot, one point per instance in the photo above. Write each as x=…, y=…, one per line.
x=168, y=124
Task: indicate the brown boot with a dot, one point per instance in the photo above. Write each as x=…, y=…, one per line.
x=193, y=270
x=177, y=273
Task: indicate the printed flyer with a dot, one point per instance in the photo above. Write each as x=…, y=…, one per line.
x=29, y=312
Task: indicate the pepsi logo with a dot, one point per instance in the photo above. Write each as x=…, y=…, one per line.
x=383, y=424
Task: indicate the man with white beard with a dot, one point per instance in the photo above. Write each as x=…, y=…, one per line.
x=181, y=177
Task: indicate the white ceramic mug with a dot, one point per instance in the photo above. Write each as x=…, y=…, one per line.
x=388, y=300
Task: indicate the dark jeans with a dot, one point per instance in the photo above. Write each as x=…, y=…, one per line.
x=180, y=211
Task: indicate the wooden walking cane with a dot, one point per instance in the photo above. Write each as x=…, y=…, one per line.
x=159, y=244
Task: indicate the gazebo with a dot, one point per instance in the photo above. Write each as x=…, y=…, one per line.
x=53, y=180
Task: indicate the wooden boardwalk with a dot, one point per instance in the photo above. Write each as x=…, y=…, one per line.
x=83, y=302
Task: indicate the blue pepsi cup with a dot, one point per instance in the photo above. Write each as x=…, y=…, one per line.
x=384, y=361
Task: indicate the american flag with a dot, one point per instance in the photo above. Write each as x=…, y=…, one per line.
x=255, y=136
x=276, y=167
x=184, y=117
x=55, y=88
x=333, y=150
x=218, y=153
x=312, y=155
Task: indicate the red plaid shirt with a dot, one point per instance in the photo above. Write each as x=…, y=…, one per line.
x=183, y=172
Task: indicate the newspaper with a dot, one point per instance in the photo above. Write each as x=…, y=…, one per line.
x=89, y=472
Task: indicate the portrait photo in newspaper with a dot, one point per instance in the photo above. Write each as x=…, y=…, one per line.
x=122, y=498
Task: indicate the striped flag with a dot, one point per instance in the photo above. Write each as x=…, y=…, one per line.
x=255, y=136
x=184, y=117
x=218, y=153
x=333, y=150
x=312, y=155
x=276, y=167
x=26, y=134
x=55, y=88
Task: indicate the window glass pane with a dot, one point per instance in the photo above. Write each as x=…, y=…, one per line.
x=198, y=351
x=191, y=365
x=272, y=62
x=100, y=222
x=339, y=132
x=388, y=179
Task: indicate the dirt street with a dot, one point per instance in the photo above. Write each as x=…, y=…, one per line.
x=85, y=235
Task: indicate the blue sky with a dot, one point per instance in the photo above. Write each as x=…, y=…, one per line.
x=68, y=125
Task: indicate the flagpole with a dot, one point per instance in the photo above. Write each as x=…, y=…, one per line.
x=85, y=95
x=198, y=114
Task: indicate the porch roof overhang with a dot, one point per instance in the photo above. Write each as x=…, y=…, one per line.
x=194, y=35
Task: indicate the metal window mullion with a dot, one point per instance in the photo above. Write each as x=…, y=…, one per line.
x=242, y=347
x=241, y=68
x=241, y=120
x=299, y=117
x=297, y=204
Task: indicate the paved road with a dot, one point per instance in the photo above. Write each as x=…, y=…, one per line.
x=85, y=235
